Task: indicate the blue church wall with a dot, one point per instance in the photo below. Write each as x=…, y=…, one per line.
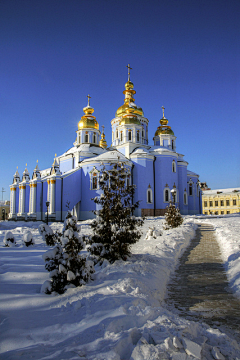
x=44, y=198
x=17, y=200
x=87, y=205
x=27, y=193
x=66, y=165
x=182, y=184
x=142, y=177
x=71, y=190
x=164, y=175
x=193, y=200
x=58, y=198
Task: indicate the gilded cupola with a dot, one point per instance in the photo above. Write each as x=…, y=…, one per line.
x=164, y=128
x=130, y=117
x=88, y=120
x=129, y=92
x=103, y=142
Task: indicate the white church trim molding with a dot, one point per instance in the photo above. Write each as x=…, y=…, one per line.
x=73, y=179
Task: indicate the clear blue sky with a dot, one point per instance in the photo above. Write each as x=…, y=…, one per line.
x=185, y=55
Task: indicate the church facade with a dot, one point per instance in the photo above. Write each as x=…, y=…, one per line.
x=159, y=172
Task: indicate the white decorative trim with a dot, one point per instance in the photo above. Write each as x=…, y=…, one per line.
x=149, y=191
x=94, y=174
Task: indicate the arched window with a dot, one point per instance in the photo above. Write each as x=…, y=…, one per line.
x=121, y=136
x=149, y=196
x=86, y=138
x=128, y=180
x=166, y=196
x=185, y=199
x=116, y=134
x=142, y=133
x=94, y=178
x=129, y=135
x=94, y=138
x=94, y=182
x=190, y=189
x=172, y=145
x=137, y=136
x=173, y=166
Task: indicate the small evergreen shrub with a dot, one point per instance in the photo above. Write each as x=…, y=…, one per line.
x=115, y=229
x=50, y=237
x=66, y=265
x=9, y=239
x=28, y=239
x=173, y=218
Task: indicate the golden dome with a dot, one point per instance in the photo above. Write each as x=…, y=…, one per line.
x=130, y=117
x=122, y=110
x=129, y=85
x=164, y=129
x=88, y=120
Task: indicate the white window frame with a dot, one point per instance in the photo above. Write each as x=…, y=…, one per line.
x=185, y=194
x=130, y=135
x=149, y=191
x=174, y=167
x=169, y=195
x=93, y=172
x=190, y=184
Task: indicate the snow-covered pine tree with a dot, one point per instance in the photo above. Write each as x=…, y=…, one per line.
x=115, y=229
x=66, y=265
x=50, y=237
x=173, y=218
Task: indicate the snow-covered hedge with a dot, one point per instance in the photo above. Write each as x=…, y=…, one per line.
x=9, y=239
x=28, y=239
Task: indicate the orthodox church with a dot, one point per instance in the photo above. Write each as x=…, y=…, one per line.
x=159, y=172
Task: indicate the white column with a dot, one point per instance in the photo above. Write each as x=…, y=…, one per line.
x=52, y=199
x=13, y=200
x=23, y=198
x=33, y=198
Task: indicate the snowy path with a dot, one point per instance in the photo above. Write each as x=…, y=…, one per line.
x=200, y=287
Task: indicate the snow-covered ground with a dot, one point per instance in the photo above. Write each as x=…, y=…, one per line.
x=119, y=315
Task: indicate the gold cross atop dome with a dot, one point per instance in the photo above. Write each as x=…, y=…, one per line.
x=103, y=128
x=129, y=68
x=89, y=97
x=163, y=108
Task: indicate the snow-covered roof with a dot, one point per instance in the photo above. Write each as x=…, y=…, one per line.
x=223, y=191
x=109, y=156
x=140, y=151
x=86, y=148
x=191, y=173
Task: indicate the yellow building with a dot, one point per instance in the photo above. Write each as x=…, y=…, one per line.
x=4, y=209
x=221, y=201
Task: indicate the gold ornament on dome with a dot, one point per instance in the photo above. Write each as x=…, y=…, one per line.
x=102, y=142
x=88, y=120
x=129, y=92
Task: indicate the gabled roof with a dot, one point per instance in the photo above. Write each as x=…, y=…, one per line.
x=109, y=156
